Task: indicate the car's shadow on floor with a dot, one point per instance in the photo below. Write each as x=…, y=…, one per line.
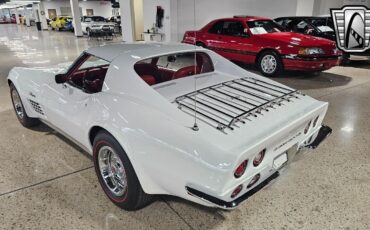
x=361, y=64
x=305, y=80
x=49, y=131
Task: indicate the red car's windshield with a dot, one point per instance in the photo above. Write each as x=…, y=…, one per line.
x=264, y=27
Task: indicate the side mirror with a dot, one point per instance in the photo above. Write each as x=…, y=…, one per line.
x=60, y=78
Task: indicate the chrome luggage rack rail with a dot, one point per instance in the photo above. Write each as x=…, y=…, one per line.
x=226, y=105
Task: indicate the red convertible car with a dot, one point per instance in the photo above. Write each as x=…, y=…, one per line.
x=263, y=42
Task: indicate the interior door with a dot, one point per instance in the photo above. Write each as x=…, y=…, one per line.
x=52, y=13
x=89, y=12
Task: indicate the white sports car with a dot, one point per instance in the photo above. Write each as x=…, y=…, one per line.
x=96, y=24
x=171, y=119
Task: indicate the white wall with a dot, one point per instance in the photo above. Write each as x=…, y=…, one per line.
x=101, y=8
x=55, y=5
x=305, y=7
x=322, y=7
x=150, y=11
x=207, y=10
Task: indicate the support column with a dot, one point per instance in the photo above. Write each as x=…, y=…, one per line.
x=42, y=15
x=127, y=20
x=27, y=15
x=76, y=14
x=17, y=16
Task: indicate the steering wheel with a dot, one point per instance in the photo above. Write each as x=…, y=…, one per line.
x=91, y=85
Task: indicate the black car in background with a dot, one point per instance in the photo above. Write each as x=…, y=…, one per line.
x=315, y=26
x=318, y=26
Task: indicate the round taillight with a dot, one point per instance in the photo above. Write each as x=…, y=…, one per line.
x=236, y=191
x=239, y=171
x=258, y=159
x=315, y=121
x=254, y=180
x=307, y=127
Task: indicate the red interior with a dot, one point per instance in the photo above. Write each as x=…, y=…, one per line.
x=91, y=79
x=186, y=71
x=148, y=69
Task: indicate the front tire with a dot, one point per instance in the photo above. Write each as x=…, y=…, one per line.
x=116, y=174
x=269, y=64
x=20, y=112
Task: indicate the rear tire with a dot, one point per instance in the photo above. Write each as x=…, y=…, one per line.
x=120, y=182
x=20, y=112
x=269, y=63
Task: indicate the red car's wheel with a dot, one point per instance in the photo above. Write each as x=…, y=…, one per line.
x=269, y=63
x=116, y=174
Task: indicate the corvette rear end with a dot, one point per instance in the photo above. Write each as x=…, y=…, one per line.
x=259, y=125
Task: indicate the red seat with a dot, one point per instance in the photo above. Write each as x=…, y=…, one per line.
x=149, y=79
x=186, y=71
x=147, y=69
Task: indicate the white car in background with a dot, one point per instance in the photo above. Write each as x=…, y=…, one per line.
x=171, y=119
x=96, y=24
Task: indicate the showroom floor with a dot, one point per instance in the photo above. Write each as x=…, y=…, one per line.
x=48, y=183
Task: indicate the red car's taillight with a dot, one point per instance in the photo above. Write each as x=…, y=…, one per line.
x=259, y=158
x=236, y=191
x=254, y=180
x=239, y=171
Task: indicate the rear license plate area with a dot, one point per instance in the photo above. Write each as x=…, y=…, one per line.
x=280, y=161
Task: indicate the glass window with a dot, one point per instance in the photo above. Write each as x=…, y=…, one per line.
x=93, y=62
x=264, y=27
x=174, y=66
x=233, y=28
x=90, y=75
x=323, y=24
x=217, y=28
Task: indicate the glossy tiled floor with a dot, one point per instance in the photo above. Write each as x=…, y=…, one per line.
x=48, y=183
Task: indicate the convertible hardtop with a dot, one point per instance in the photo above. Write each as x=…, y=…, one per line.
x=138, y=51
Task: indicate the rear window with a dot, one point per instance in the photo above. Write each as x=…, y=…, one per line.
x=174, y=66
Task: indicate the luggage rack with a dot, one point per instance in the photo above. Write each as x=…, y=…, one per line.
x=229, y=104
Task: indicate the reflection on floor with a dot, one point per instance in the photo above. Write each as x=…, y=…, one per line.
x=46, y=182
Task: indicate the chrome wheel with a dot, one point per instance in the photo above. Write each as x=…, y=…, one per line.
x=268, y=64
x=18, y=107
x=112, y=171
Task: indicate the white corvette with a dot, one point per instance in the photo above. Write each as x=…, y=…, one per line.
x=171, y=119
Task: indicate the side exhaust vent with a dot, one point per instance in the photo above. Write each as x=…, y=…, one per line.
x=36, y=106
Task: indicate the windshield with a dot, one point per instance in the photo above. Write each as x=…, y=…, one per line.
x=264, y=27
x=323, y=24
